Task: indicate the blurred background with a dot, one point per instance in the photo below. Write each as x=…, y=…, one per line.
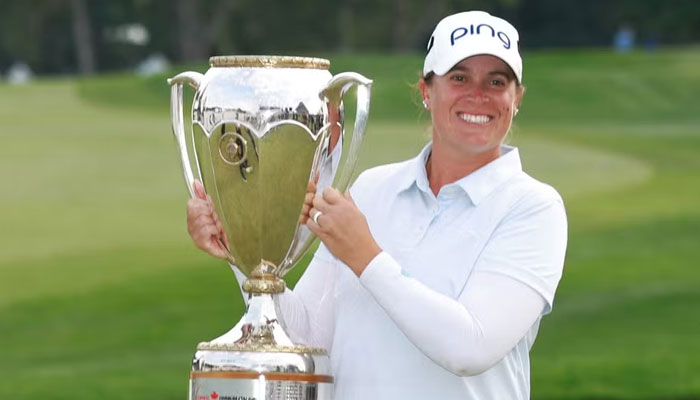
x=103, y=295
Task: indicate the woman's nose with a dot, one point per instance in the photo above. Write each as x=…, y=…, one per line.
x=476, y=93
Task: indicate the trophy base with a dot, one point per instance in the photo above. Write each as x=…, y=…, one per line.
x=293, y=373
x=254, y=386
x=256, y=360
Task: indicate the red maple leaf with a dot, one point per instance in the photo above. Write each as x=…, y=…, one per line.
x=214, y=395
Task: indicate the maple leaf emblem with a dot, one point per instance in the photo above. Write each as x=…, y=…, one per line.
x=214, y=395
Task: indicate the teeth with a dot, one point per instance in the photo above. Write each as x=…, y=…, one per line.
x=475, y=119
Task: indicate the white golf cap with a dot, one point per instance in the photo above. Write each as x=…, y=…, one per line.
x=472, y=33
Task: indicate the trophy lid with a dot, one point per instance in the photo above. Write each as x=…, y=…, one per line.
x=270, y=62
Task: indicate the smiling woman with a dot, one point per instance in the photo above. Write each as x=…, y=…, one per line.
x=472, y=107
x=434, y=272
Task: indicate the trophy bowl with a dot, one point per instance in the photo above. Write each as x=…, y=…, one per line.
x=262, y=128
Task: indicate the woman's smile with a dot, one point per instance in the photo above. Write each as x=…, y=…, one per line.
x=478, y=119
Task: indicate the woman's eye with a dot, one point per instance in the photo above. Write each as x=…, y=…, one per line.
x=458, y=78
x=497, y=82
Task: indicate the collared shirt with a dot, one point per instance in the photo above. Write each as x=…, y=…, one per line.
x=497, y=220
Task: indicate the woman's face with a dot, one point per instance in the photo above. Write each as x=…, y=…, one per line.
x=472, y=106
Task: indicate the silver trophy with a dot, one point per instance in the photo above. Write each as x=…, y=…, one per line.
x=262, y=128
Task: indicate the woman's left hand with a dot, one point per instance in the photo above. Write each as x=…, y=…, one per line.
x=343, y=229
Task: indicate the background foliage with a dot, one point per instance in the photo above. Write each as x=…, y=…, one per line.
x=53, y=36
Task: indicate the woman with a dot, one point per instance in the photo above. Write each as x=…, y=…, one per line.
x=434, y=272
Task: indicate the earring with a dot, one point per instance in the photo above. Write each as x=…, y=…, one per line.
x=516, y=112
x=425, y=105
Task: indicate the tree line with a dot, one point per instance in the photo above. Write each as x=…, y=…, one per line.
x=81, y=36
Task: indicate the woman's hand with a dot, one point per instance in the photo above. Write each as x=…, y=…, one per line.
x=308, y=202
x=203, y=225
x=343, y=229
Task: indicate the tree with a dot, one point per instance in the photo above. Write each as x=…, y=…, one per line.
x=82, y=36
x=197, y=35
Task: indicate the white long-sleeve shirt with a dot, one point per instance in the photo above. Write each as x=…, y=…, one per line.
x=452, y=305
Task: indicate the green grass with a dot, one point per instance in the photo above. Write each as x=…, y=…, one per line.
x=103, y=295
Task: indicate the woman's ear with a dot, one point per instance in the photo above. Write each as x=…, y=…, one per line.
x=520, y=91
x=423, y=86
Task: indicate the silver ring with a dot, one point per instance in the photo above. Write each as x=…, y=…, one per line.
x=316, y=215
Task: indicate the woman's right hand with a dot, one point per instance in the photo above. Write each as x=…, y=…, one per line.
x=203, y=225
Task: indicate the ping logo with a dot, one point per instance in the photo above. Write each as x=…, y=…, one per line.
x=464, y=31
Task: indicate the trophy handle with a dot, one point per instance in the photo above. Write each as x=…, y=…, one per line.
x=192, y=79
x=333, y=93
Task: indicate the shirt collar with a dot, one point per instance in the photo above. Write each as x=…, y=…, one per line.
x=415, y=171
x=478, y=185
